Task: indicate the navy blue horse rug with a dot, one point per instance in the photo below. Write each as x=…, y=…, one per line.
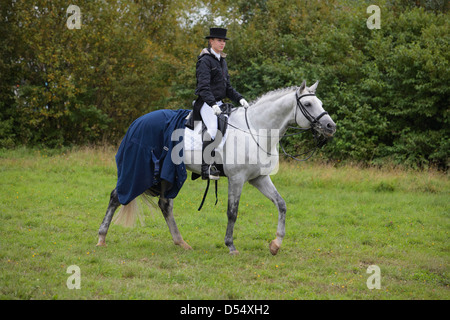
x=144, y=155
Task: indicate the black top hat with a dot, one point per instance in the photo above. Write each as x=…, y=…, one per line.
x=219, y=33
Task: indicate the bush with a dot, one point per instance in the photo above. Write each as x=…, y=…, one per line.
x=386, y=88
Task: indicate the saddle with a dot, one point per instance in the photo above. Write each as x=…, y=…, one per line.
x=222, y=119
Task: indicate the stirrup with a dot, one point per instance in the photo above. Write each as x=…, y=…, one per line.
x=211, y=173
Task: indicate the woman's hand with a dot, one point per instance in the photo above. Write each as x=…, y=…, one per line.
x=216, y=109
x=244, y=103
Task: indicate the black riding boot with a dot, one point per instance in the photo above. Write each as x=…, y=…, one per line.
x=209, y=170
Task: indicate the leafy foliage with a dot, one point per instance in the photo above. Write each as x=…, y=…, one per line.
x=386, y=88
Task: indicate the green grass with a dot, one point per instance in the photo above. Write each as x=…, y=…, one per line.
x=339, y=221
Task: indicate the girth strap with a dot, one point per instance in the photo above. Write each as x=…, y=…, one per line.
x=206, y=192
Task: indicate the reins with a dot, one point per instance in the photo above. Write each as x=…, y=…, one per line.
x=250, y=131
x=314, y=123
x=319, y=142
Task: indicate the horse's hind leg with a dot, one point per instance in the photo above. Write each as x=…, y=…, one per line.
x=166, y=206
x=265, y=185
x=112, y=207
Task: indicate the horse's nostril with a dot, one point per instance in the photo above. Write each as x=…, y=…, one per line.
x=331, y=127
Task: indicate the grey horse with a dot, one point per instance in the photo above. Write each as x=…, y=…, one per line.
x=250, y=154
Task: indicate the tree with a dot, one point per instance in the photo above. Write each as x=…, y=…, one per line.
x=386, y=88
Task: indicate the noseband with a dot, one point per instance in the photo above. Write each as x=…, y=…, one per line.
x=313, y=120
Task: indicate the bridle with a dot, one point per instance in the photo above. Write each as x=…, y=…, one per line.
x=319, y=139
x=313, y=120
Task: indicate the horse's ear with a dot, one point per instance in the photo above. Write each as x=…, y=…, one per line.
x=302, y=87
x=313, y=88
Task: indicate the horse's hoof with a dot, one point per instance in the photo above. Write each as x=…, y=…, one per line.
x=101, y=244
x=234, y=253
x=274, y=247
x=101, y=241
x=184, y=245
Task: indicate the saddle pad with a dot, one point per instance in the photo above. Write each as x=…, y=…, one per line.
x=193, y=138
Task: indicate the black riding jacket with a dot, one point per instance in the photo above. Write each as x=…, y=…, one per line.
x=213, y=81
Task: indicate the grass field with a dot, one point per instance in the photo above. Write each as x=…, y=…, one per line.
x=339, y=222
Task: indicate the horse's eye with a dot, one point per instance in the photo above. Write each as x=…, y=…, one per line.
x=307, y=104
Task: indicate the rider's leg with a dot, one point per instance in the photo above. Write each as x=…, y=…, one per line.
x=209, y=171
x=210, y=120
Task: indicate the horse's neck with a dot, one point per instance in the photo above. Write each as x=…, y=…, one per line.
x=268, y=120
x=273, y=115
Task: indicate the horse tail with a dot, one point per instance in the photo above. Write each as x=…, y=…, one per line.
x=128, y=214
x=133, y=211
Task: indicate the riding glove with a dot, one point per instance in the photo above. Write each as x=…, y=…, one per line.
x=244, y=103
x=216, y=109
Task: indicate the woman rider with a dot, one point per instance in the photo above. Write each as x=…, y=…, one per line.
x=213, y=85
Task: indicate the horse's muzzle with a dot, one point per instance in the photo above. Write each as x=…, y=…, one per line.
x=330, y=129
x=327, y=127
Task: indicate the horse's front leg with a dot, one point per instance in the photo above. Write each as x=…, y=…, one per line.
x=234, y=195
x=265, y=185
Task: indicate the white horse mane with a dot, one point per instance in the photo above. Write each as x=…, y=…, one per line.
x=273, y=95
